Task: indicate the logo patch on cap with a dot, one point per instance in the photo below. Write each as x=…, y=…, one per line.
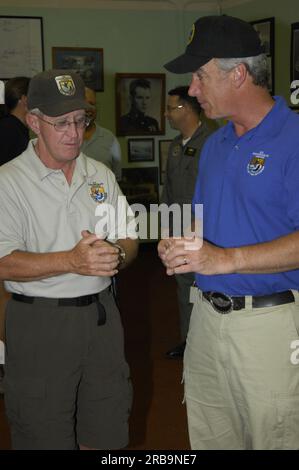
x=65, y=85
x=191, y=35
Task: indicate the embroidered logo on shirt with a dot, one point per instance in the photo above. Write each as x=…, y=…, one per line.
x=97, y=192
x=257, y=163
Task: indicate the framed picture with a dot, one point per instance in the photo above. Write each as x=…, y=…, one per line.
x=266, y=31
x=295, y=109
x=163, y=155
x=140, y=103
x=141, y=150
x=88, y=62
x=294, y=51
x=140, y=185
x=21, y=46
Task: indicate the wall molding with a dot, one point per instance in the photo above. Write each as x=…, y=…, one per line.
x=143, y=5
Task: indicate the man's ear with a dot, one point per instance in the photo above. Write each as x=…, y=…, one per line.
x=240, y=73
x=33, y=123
x=23, y=101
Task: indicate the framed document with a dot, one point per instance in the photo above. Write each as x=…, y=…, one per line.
x=21, y=46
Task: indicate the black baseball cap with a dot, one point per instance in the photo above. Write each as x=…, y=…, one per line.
x=217, y=37
x=56, y=92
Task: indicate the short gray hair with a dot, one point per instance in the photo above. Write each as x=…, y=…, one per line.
x=36, y=112
x=257, y=67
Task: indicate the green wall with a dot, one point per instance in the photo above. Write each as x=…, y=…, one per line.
x=285, y=13
x=142, y=41
x=133, y=41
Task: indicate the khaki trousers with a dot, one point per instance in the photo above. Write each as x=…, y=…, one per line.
x=241, y=373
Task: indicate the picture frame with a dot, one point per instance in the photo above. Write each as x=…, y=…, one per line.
x=87, y=61
x=140, y=185
x=21, y=46
x=266, y=30
x=295, y=109
x=140, y=103
x=163, y=156
x=294, y=72
x=141, y=150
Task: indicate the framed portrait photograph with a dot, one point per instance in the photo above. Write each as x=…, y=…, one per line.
x=141, y=150
x=140, y=103
x=140, y=185
x=88, y=62
x=163, y=155
x=294, y=52
x=266, y=31
x=21, y=46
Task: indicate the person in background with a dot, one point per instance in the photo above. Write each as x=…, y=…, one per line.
x=99, y=143
x=241, y=362
x=2, y=88
x=137, y=120
x=66, y=378
x=14, y=138
x=14, y=133
x=183, y=114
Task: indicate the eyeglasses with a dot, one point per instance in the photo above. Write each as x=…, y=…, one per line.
x=172, y=108
x=63, y=125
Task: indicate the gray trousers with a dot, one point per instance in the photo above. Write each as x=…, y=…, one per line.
x=66, y=378
x=184, y=282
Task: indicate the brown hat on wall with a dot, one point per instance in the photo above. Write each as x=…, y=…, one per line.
x=57, y=92
x=216, y=37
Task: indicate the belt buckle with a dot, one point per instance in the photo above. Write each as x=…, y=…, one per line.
x=223, y=309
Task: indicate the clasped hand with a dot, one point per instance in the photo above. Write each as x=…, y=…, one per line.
x=93, y=256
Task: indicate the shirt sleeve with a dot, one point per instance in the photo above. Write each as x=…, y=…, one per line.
x=165, y=197
x=12, y=229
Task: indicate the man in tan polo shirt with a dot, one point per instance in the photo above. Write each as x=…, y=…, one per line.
x=66, y=378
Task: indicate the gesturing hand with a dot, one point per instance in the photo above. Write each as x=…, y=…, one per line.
x=185, y=255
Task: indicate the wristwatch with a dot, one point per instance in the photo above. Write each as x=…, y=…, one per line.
x=121, y=253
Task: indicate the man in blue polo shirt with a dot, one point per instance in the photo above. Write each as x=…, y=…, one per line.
x=241, y=364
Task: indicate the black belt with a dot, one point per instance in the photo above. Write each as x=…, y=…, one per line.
x=82, y=301
x=223, y=303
